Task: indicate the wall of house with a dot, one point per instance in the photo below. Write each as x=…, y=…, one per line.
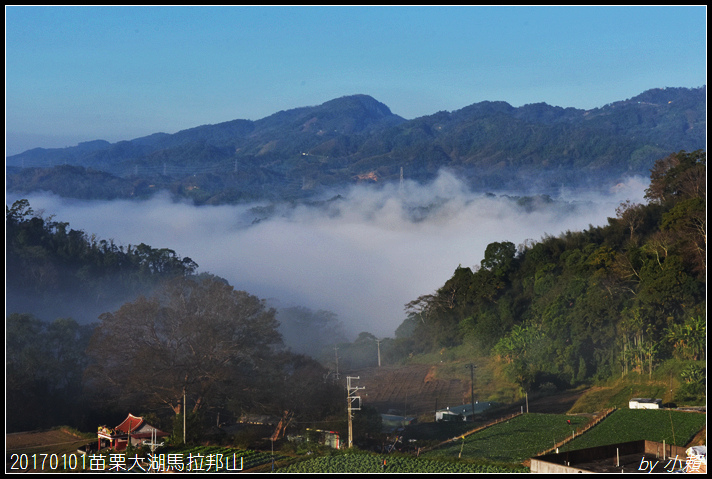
x=543, y=467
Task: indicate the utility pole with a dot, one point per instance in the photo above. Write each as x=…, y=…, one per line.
x=185, y=409
x=154, y=441
x=351, y=397
x=378, y=342
x=336, y=353
x=472, y=388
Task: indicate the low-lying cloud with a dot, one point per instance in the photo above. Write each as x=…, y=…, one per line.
x=362, y=255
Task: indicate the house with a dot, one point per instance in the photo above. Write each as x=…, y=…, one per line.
x=133, y=429
x=633, y=456
x=645, y=403
x=327, y=438
x=460, y=413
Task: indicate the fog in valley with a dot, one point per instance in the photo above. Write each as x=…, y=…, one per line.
x=361, y=254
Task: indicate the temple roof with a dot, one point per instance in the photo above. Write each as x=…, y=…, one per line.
x=131, y=423
x=133, y=426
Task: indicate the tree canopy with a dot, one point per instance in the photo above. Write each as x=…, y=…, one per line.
x=53, y=270
x=196, y=336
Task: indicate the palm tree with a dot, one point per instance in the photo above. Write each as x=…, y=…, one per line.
x=688, y=339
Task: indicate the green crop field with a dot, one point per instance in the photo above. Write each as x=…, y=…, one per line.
x=515, y=440
x=367, y=463
x=217, y=458
x=673, y=427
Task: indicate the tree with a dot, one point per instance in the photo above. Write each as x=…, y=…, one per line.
x=631, y=214
x=194, y=336
x=310, y=332
x=499, y=257
x=688, y=339
x=679, y=175
x=44, y=365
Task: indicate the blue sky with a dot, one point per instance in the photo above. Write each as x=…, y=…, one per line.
x=82, y=73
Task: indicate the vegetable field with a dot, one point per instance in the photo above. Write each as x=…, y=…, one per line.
x=205, y=458
x=367, y=463
x=673, y=427
x=515, y=440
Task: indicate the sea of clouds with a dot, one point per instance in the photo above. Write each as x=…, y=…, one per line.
x=362, y=255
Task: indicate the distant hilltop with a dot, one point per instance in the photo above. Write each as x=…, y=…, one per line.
x=298, y=153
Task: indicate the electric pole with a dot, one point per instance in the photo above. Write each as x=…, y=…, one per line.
x=351, y=397
x=378, y=342
x=472, y=388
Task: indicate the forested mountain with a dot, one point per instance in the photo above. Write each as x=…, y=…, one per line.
x=154, y=326
x=52, y=270
x=301, y=152
x=587, y=304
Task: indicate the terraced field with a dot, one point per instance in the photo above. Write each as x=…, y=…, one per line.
x=514, y=440
x=673, y=427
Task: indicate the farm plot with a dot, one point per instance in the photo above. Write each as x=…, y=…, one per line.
x=367, y=463
x=37, y=441
x=412, y=390
x=515, y=440
x=673, y=427
x=220, y=459
x=42, y=451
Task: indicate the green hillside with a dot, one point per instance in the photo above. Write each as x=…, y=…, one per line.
x=585, y=306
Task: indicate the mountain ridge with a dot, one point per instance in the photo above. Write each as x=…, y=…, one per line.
x=303, y=151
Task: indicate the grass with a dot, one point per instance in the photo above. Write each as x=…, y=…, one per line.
x=491, y=384
x=617, y=392
x=618, y=395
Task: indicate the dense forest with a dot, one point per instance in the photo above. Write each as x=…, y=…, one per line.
x=53, y=270
x=587, y=304
x=305, y=152
x=71, y=361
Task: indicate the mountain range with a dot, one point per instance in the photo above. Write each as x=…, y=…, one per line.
x=298, y=153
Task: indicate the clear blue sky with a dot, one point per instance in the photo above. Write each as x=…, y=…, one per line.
x=81, y=73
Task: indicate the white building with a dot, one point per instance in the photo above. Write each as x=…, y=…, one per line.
x=460, y=413
x=645, y=403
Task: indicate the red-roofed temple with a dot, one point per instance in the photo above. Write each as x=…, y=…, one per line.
x=133, y=429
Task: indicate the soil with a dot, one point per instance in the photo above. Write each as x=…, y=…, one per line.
x=414, y=390
x=558, y=403
x=700, y=438
x=409, y=390
x=41, y=443
x=38, y=439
